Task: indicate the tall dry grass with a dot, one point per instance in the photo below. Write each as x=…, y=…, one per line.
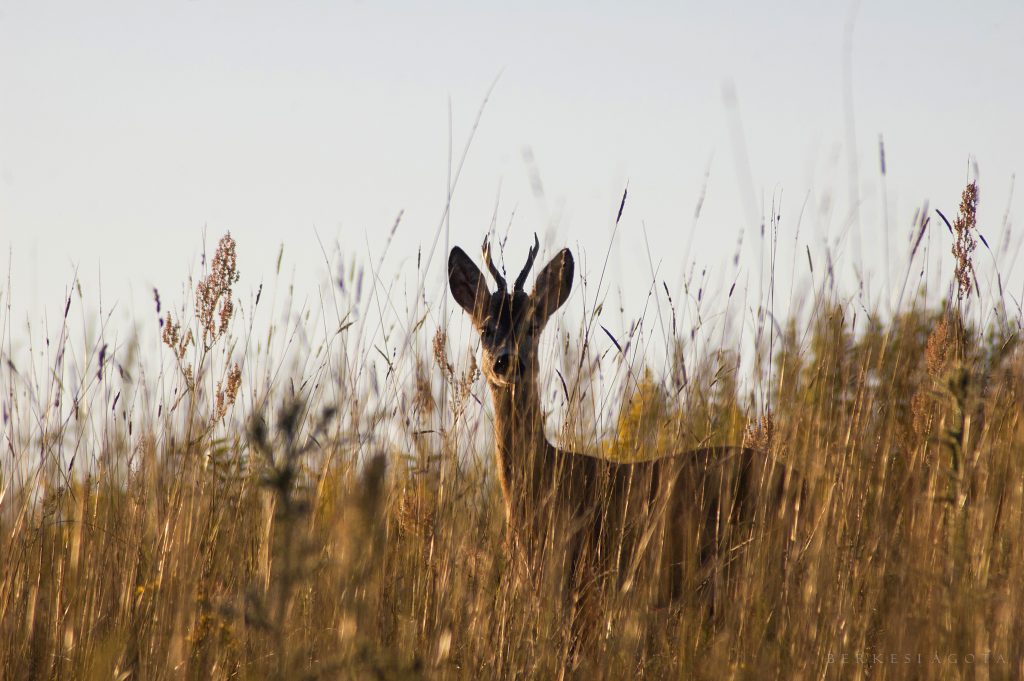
x=244, y=503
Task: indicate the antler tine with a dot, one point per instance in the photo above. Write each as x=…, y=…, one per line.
x=490, y=266
x=521, y=279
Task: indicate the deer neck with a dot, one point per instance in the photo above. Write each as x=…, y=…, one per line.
x=521, y=451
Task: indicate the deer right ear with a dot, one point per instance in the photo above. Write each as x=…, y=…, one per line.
x=469, y=288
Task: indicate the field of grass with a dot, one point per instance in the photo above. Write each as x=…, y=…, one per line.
x=247, y=502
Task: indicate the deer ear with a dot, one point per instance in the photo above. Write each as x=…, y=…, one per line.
x=469, y=288
x=553, y=284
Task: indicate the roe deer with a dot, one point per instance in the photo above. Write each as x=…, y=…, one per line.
x=679, y=518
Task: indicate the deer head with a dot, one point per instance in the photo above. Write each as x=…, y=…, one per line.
x=509, y=322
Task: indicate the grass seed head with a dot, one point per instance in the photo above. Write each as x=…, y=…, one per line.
x=937, y=348
x=965, y=242
x=214, y=307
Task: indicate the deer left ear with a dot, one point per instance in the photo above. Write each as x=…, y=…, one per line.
x=553, y=285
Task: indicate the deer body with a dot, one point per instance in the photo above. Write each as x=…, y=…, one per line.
x=598, y=522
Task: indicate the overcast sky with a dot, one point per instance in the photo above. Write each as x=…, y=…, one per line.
x=129, y=128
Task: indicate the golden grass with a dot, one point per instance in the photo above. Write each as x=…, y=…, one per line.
x=217, y=522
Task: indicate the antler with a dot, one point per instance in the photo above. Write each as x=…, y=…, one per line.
x=490, y=265
x=521, y=279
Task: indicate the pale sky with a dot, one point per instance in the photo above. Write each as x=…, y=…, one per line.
x=127, y=128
